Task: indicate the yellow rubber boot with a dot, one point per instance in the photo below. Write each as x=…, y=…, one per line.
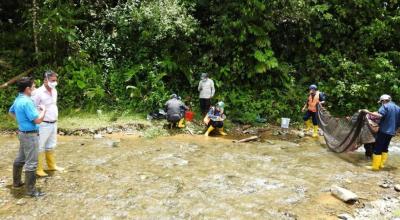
x=51, y=161
x=376, y=162
x=181, y=123
x=315, y=132
x=221, y=131
x=308, y=125
x=211, y=128
x=39, y=170
x=383, y=160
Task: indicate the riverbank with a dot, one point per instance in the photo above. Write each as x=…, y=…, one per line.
x=185, y=176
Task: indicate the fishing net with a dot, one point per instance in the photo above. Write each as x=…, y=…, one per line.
x=346, y=134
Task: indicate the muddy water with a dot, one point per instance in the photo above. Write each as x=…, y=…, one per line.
x=187, y=177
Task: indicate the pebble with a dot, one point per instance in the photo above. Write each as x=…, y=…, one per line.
x=109, y=130
x=116, y=144
x=384, y=185
x=345, y=216
x=397, y=187
x=21, y=202
x=97, y=136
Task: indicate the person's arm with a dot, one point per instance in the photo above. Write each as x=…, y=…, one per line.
x=33, y=114
x=375, y=114
x=11, y=112
x=199, y=87
x=36, y=98
x=305, y=106
x=42, y=113
x=212, y=88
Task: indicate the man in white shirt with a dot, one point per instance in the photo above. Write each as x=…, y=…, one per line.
x=47, y=95
x=207, y=91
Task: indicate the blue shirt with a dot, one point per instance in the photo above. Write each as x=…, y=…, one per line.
x=390, y=118
x=25, y=112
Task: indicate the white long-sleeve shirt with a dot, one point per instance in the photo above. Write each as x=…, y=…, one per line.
x=206, y=88
x=42, y=96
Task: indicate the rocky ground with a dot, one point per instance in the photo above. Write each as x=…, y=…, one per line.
x=142, y=170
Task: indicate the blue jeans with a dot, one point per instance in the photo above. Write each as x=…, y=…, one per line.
x=313, y=115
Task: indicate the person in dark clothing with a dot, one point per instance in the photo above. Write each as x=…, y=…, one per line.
x=389, y=114
x=175, y=110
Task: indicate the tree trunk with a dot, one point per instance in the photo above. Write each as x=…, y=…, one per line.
x=35, y=27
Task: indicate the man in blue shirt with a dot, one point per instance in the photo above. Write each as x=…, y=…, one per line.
x=389, y=114
x=27, y=117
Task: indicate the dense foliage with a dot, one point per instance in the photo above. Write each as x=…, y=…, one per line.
x=262, y=55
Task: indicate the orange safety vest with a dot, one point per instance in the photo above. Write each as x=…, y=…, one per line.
x=313, y=102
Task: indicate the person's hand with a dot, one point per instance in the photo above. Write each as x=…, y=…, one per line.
x=303, y=109
x=42, y=108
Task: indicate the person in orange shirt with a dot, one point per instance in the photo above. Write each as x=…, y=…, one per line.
x=315, y=97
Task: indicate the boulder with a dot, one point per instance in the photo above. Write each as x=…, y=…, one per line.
x=343, y=194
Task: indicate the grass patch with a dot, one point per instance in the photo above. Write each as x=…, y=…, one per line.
x=7, y=123
x=86, y=120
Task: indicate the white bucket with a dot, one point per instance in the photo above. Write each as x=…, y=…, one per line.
x=285, y=122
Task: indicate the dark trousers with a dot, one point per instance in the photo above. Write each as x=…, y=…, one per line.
x=313, y=115
x=205, y=105
x=382, y=143
x=216, y=124
x=369, y=149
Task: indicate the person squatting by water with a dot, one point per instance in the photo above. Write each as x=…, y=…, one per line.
x=315, y=97
x=215, y=119
x=389, y=114
x=175, y=110
x=47, y=95
x=207, y=91
x=28, y=118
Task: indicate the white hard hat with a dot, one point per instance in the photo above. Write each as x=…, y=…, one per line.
x=384, y=97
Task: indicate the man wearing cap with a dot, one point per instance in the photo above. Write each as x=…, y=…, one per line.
x=175, y=109
x=315, y=97
x=47, y=95
x=27, y=117
x=389, y=114
x=207, y=91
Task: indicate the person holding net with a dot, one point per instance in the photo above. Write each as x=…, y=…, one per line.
x=315, y=97
x=389, y=114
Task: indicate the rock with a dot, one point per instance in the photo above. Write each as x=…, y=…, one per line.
x=61, y=133
x=109, y=130
x=116, y=143
x=97, y=136
x=384, y=185
x=345, y=216
x=301, y=134
x=343, y=194
x=270, y=142
x=21, y=202
x=397, y=187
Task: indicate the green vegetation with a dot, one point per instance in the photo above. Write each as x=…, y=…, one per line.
x=131, y=54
